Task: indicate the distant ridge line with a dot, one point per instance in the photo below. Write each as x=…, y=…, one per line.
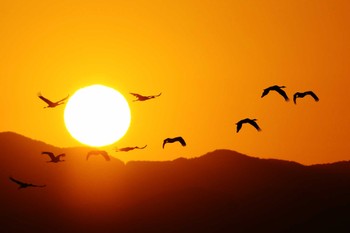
x=217, y=153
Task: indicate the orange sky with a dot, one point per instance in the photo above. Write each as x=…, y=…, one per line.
x=210, y=59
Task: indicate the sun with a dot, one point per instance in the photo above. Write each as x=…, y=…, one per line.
x=97, y=115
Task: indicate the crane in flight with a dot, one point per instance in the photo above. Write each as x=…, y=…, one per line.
x=25, y=185
x=126, y=149
x=98, y=152
x=143, y=98
x=303, y=94
x=249, y=121
x=172, y=140
x=54, y=159
x=276, y=88
x=51, y=104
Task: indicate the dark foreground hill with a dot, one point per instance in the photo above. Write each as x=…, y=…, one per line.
x=222, y=191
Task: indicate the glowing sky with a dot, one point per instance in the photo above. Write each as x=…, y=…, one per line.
x=210, y=59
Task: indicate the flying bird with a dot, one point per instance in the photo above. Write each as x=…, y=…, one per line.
x=54, y=159
x=303, y=94
x=277, y=89
x=25, y=185
x=51, y=104
x=176, y=139
x=143, y=98
x=126, y=149
x=98, y=152
x=249, y=121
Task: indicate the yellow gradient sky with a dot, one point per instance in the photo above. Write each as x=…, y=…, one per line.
x=210, y=59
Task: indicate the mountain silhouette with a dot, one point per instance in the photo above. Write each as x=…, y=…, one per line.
x=221, y=191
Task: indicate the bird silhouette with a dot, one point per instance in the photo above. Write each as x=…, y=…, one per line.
x=303, y=94
x=54, y=159
x=25, y=185
x=176, y=139
x=51, y=104
x=98, y=152
x=126, y=149
x=277, y=89
x=249, y=121
x=143, y=98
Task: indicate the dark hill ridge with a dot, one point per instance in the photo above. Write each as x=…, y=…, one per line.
x=221, y=191
x=10, y=138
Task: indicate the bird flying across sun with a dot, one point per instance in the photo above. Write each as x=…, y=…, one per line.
x=54, y=159
x=277, y=89
x=25, y=185
x=51, y=104
x=172, y=140
x=143, y=98
x=303, y=94
x=126, y=149
x=98, y=152
x=249, y=121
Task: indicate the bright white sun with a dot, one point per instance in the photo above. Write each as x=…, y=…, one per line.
x=97, y=115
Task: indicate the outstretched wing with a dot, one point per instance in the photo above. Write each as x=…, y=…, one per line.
x=295, y=96
x=141, y=147
x=93, y=152
x=96, y=152
x=49, y=102
x=164, y=142
x=239, y=126
x=137, y=95
x=282, y=93
x=253, y=123
x=181, y=140
x=50, y=154
x=88, y=155
x=16, y=181
x=105, y=155
x=62, y=99
x=153, y=96
x=61, y=155
x=313, y=95
x=265, y=92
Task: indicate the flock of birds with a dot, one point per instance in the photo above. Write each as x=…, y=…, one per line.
x=57, y=158
x=279, y=90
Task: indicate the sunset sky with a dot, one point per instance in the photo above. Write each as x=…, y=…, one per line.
x=210, y=59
